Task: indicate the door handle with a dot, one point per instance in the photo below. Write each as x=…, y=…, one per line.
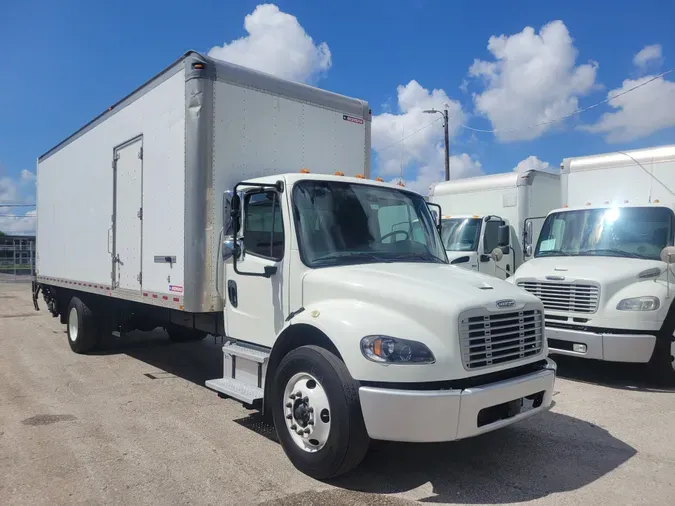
x=232, y=292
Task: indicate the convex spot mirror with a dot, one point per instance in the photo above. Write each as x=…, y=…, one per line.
x=668, y=254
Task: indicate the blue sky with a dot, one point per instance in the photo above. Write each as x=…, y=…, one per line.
x=65, y=64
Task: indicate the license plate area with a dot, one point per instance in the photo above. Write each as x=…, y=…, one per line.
x=506, y=410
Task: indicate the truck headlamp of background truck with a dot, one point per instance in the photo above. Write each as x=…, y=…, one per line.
x=342, y=317
x=603, y=262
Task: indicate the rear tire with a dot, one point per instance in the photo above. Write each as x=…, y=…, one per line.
x=334, y=439
x=83, y=334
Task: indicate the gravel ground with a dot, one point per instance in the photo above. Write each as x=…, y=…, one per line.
x=135, y=425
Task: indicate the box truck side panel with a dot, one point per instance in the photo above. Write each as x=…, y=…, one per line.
x=262, y=130
x=92, y=207
x=543, y=196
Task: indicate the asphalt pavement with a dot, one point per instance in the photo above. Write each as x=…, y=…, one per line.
x=135, y=425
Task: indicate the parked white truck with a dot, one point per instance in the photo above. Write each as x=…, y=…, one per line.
x=600, y=266
x=498, y=211
x=185, y=206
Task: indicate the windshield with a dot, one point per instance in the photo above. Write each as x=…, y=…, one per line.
x=633, y=232
x=460, y=234
x=342, y=223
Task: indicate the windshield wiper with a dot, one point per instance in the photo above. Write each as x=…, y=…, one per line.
x=612, y=252
x=420, y=256
x=553, y=253
x=350, y=257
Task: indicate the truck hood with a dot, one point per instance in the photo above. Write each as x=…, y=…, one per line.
x=611, y=272
x=432, y=294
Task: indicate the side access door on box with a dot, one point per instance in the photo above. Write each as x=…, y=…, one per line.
x=127, y=215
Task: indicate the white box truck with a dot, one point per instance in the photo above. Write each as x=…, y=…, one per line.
x=186, y=206
x=495, y=212
x=600, y=266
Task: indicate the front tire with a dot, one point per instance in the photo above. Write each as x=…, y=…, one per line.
x=83, y=334
x=321, y=430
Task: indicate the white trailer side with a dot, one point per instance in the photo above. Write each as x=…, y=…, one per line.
x=137, y=192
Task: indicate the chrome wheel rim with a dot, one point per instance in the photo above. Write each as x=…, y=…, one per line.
x=72, y=325
x=307, y=412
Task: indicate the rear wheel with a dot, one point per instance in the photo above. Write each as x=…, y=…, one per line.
x=317, y=413
x=83, y=334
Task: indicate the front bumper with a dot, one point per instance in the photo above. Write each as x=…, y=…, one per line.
x=636, y=348
x=446, y=415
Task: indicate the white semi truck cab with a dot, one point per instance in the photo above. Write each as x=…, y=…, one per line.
x=602, y=264
x=347, y=326
x=487, y=219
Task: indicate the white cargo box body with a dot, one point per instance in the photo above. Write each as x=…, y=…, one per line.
x=636, y=177
x=130, y=206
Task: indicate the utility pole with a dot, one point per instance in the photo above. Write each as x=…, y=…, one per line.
x=444, y=113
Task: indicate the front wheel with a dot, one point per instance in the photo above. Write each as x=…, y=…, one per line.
x=663, y=362
x=317, y=413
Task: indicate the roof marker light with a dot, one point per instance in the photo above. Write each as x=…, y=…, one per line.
x=588, y=203
x=339, y=173
x=400, y=183
x=360, y=176
x=379, y=179
x=304, y=171
x=625, y=202
x=656, y=201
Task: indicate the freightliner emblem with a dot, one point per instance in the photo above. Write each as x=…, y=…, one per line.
x=556, y=278
x=506, y=303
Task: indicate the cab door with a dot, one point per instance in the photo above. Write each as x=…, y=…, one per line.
x=496, y=235
x=253, y=285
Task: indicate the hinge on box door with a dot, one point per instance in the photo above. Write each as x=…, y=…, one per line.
x=140, y=213
x=114, y=161
x=139, y=278
x=140, y=154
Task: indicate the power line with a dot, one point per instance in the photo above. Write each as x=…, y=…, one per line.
x=17, y=216
x=409, y=136
x=574, y=113
x=16, y=205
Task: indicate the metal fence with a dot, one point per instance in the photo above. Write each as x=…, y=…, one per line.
x=17, y=257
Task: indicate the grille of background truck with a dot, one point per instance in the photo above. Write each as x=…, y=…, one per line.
x=574, y=298
x=497, y=338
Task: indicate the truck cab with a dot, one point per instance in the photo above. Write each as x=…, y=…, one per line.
x=603, y=269
x=346, y=322
x=479, y=243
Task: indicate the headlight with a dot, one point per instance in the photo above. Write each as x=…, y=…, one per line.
x=392, y=350
x=639, y=304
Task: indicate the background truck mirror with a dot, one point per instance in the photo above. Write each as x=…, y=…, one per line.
x=227, y=213
x=503, y=235
x=235, y=213
x=527, y=238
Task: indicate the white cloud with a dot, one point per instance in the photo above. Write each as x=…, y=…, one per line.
x=648, y=54
x=277, y=44
x=533, y=163
x=8, y=190
x=532, y=79
x=460, y=166
x=638, y=113
x=27, y=176
x=423, y=150
x=11, y=224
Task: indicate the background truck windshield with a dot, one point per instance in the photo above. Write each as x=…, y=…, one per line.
x=345, y=223
x=634, y=232
x=460, y=234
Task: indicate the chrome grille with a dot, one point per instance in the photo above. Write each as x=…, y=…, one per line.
x=569, y=297
x=497, y=338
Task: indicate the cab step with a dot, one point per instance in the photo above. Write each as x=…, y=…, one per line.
x=244, y=371
x=236, y=389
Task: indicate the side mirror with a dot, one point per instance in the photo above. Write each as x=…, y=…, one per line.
x=231, y=248
x=435, y=214
x=668, y=254
x=235, y=213
x=227, y=213
x=503, y=235
x=497, y=254
x=527, y=239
